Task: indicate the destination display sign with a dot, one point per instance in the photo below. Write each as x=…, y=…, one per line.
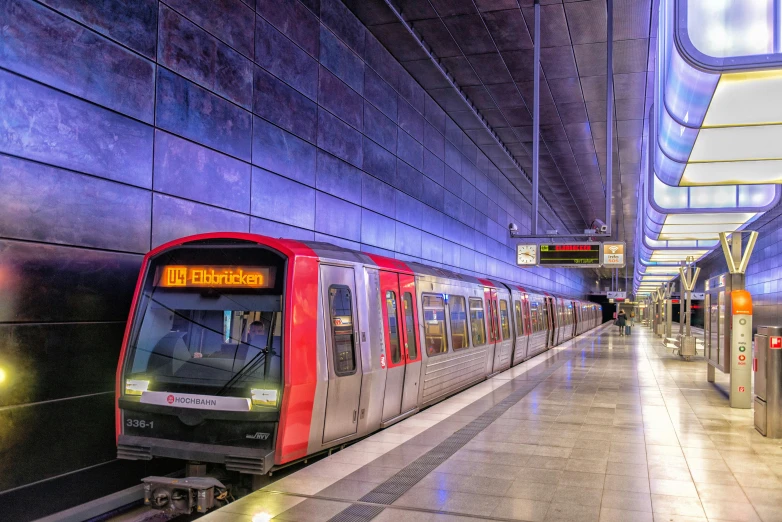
x=176, y=276
x=582, y=255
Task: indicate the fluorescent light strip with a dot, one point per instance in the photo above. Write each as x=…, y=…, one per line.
x=708, y=218
x=747, y=98
x=732, y=173
x=738, y=144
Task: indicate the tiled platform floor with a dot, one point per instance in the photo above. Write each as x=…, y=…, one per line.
x=620, y=430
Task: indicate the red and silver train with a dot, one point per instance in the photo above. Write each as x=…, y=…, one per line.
x=252, y=352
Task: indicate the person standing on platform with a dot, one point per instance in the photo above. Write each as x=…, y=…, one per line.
x=621, y=321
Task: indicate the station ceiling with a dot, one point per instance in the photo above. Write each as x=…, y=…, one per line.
x=487, y=48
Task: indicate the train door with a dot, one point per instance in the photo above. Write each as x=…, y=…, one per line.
x=522, y=329
x=402, y=357
x=574, y=313
x=494, y=331
x=504, y=335
x=551, y=309
x=562, y=318
x=343, y=353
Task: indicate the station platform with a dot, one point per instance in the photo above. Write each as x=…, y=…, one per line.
x=604, y=428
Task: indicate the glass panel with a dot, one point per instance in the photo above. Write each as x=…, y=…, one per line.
x=534, y=313
x=746, y=98
x=477, y=322
x=756, y=195
x=412, y=346
x=669, y=197
x=341, y=304
x=434, y=324
x=504, y=319
x=730, y=28
x=393, y=331
x=184, y=344
x=519, y=318
x=458, y=311
x=713, y=197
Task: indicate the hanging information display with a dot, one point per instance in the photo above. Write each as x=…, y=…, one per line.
x=582, y=255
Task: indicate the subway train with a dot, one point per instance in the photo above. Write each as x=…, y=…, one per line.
x=250, y=353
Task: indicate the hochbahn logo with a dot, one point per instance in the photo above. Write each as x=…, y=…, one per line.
x=173, y=399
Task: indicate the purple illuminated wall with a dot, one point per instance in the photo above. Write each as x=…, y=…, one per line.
x=127, y=123
x=764, y=273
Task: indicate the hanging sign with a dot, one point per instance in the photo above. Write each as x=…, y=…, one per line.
x=614, y=254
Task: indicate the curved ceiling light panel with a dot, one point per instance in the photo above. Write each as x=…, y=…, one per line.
x=716, y=150
x=719, y=123
x=701, y=213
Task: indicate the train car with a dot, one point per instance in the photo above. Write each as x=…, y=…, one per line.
x=249, y=353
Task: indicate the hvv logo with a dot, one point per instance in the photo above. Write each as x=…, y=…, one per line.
x=257, y=436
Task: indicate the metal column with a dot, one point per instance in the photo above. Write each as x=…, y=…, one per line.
x=669, y=289
x=536, y=120
x=609, y=111
x=687, y=343
x=741, y=327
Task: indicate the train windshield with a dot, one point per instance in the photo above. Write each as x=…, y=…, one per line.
x=211, y=329
x=220, y=345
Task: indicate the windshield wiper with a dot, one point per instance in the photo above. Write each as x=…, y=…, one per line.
x=254, y=363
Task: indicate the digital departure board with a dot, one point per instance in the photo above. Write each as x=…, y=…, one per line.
x=582, y=255
x=170, y=276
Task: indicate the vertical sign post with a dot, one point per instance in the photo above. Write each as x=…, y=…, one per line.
x=741, y=350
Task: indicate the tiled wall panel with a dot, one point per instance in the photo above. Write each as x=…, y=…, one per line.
x=126, y=124
x=764, y=274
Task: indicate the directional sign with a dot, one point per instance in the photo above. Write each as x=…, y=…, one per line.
x=616, y=295
x=614, y=254
x=698, y=296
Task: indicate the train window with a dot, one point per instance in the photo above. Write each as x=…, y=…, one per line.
x=341, y=305
x=504, y=319
x=393, y=328
x=412, y=346
x=434, y=324
x=534, y=313
x=519, y=318
x=458, y=312
x=477, y=322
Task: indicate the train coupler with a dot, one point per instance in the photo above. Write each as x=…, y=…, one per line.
x=183, y=495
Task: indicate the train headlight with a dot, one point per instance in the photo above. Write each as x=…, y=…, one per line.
x=264, y=397
x=135, y=386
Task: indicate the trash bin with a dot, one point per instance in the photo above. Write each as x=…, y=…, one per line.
x=768, y=381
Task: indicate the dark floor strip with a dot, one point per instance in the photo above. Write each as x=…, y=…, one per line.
x=402, y=509
x=399, y=484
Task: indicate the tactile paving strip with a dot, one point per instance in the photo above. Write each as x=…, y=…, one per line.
x=396, y=486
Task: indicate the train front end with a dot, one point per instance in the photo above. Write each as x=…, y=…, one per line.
x=200, y=378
